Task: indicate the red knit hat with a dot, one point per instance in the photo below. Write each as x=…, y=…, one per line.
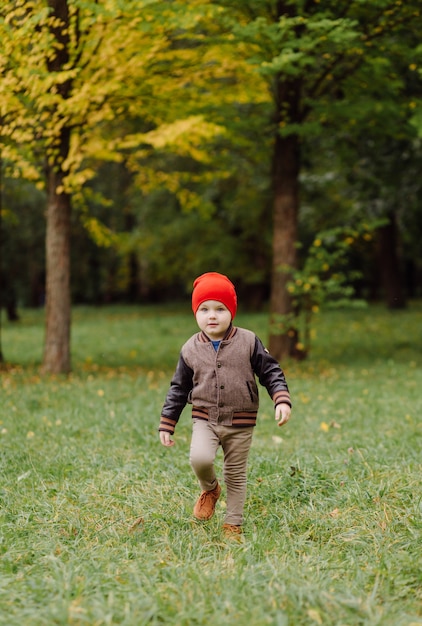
x=214, y=286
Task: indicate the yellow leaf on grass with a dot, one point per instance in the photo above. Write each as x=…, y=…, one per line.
x=324, y=427
x=314, y=614
x=136, y=524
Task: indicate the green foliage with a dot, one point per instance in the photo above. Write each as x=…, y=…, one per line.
x=326, y=279
x=96, y=516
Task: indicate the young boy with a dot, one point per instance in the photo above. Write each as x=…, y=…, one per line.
x=216, y=374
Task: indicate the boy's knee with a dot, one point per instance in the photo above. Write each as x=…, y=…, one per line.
x=201, y=463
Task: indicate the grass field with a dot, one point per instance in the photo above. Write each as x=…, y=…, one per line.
x=96, y=525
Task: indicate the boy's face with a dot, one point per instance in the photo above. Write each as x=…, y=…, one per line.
x=213, y=318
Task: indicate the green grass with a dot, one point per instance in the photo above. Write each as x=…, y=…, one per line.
x=333, y=531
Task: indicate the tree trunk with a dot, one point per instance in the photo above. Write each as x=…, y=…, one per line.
x=285, y=218
x=287, y=94
x=389, y=265
x=286, y=168
x=58, y=306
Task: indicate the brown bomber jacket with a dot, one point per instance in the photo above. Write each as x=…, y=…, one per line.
x=221, y=384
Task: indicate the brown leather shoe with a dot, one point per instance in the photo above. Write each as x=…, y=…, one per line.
x=232, y=531
x=205, y=505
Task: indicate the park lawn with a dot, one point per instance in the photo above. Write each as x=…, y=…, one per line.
x=96, y=522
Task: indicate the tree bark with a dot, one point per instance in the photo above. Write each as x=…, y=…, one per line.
x=285, y=220
x=58, y=305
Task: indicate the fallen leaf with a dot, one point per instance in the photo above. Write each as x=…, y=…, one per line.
x=314, y=614
x=136, y=524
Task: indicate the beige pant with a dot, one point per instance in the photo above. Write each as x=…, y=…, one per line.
x=236, y=443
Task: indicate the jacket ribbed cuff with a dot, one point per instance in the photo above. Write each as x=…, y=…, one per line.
x=282, y=397
x=167, y=424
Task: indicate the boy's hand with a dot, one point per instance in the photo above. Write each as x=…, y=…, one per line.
x=282, y=413
x=165, y=439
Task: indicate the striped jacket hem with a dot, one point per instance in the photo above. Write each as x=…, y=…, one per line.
x=240, y=419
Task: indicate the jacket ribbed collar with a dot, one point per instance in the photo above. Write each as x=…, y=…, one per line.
x=231, y=331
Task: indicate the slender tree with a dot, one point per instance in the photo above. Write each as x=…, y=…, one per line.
x=58, y=306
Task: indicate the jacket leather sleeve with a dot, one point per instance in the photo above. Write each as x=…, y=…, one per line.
x=270, y=374
x=177, y=396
